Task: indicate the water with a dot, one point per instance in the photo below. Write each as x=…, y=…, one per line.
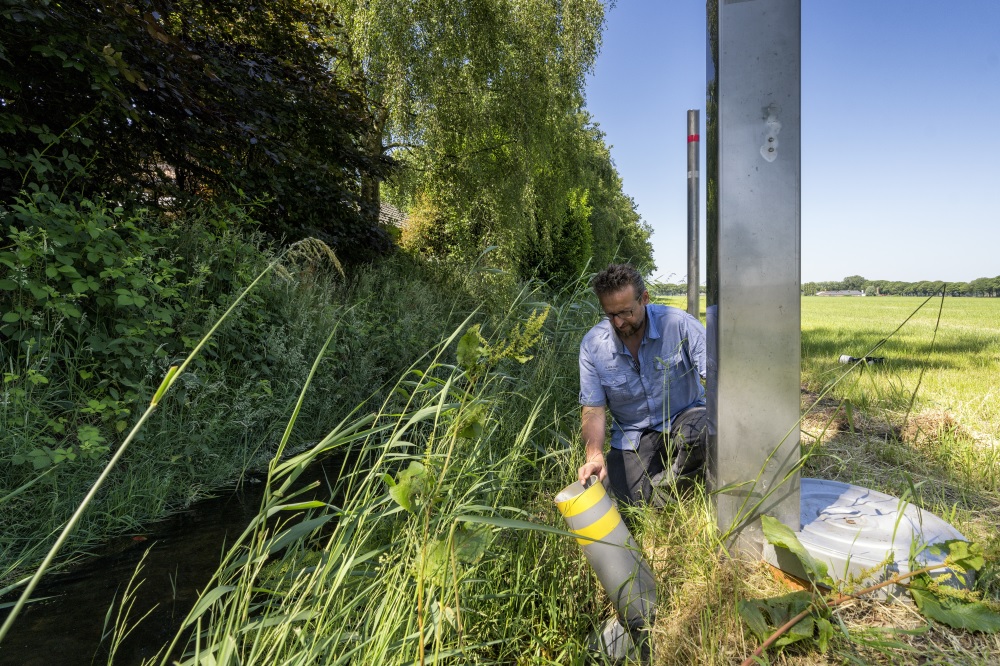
x=182, y=552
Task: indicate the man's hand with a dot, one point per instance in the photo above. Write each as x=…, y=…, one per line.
x=593, y=441
x=593, y=467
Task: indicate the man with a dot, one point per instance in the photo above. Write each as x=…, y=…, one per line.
x=645, y=363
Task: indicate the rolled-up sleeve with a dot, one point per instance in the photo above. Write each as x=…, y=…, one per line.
x=591, y=391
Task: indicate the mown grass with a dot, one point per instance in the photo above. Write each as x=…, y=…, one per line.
x=956, y=368
x=926, y=416
x=921, y=425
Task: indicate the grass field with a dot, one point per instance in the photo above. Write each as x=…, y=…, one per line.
x=923, y=424
x=927, y=416
x=957, y=369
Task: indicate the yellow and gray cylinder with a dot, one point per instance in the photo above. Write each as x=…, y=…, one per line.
x=611, y=551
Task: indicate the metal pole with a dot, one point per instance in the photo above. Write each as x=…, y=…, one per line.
x=753, y=130
x=692, y=275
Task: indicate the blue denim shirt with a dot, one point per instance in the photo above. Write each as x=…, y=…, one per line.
x=667, y=381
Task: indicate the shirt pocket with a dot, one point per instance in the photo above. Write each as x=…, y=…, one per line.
x=672, y=369
x=615, y=386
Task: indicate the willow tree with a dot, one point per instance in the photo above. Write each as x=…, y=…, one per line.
x=481, y=102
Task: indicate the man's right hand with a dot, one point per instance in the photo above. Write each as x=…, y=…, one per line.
x=593, y=467
x=593, y=419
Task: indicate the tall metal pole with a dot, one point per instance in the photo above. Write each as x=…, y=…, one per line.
x=693, y=259
x=753, y=185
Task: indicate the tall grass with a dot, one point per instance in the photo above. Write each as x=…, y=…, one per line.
x=411, y=559
x=226, y=414
x=439, y=542
x=425, y=552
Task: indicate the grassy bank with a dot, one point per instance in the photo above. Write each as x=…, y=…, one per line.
x=424, y=550
x=111, y=300
x=425, y=554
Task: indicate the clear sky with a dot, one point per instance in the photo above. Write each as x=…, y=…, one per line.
x=900, y=132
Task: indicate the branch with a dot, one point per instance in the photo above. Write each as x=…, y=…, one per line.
x=839, y=599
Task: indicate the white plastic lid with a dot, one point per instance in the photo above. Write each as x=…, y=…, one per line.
x=852, y=529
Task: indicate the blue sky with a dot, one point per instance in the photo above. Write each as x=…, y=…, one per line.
x=900, y=132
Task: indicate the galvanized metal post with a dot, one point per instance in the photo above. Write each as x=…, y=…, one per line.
x=693, y=123
x=753, y=217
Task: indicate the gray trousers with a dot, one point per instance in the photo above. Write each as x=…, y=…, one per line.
x=663, y=463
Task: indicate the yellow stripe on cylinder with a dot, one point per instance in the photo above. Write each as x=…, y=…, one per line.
x=577, y=504
x=611, y=551
x=598, y=529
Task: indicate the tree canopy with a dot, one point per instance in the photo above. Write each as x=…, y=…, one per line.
x=160, y=102
x=303, y=107
x=482, y=104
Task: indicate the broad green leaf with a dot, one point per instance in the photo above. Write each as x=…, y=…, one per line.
x=750, y=612
x=471, y=543
x=780, y=535
x=825, y=632
x=432, y=561
x=764, y=616
x=410, y=484
x=968, y=556
x=470, y=348
x=956, y=613
x=803, y=630
x=472, y=425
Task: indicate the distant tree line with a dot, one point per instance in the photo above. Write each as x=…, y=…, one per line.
x=982, y=287
x=670, y=289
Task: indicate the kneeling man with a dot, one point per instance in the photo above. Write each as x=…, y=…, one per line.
x=645, y=363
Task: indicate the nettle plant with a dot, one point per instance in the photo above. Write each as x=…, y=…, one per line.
x=89, y=296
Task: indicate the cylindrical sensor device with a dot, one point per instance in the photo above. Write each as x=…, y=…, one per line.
x=611, y=551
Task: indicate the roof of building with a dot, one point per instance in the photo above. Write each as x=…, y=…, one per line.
x=390, y=215
x=841, y=292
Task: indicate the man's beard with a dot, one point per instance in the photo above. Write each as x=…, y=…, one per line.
x=628, y=329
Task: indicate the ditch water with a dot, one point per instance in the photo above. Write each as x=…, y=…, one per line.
x=65, y=627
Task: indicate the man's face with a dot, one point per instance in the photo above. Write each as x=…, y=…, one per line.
x=625, y=311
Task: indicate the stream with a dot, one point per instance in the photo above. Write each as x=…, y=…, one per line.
x=65, y=627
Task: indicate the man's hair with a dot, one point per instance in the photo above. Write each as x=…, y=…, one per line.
x=615, y=277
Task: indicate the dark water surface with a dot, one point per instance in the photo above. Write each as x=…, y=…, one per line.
x=182, y=552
